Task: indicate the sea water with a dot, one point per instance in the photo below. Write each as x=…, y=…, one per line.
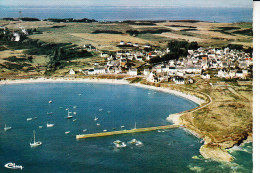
x=172, y=150
x=112, y=13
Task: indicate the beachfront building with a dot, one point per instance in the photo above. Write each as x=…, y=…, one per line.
x=205, y=76
x=72, y=72
x=104, y=54
x=132, y=72
x=122, y=43
x=146, y=72
x=99, y=71
x=179, y=80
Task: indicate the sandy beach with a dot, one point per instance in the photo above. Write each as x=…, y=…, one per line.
x=61, y=80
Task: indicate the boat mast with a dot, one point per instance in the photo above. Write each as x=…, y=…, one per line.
x=34, y=136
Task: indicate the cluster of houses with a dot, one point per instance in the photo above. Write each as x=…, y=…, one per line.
x=225, y=63
x=16, y=35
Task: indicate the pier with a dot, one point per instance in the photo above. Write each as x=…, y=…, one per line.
x=147, y=129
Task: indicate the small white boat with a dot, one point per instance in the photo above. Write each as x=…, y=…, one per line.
x=123, y=145
x=85, y=130
x=117, y=142
x=138, y=143
x=74, y=120
x=133, y=141
x=7, y=128
x=50, y=101
x=79, y=94
x=98, y=124
x=74, y=107
x=120, y=145
x=34, y=143
x=122, y=126
x=40, y=127
x=95, y=119
x=74, y=113
x=67, y=132
x=69, y=117
x=104, y=130
x=13, y=166
x=49, y=125
x=49, y=113
x=29, y=119
x=100, y=110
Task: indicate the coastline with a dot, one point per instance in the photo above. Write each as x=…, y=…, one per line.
x=170, y=91
x=60, y=80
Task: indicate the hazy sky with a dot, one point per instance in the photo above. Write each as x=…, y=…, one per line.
x=139, y=3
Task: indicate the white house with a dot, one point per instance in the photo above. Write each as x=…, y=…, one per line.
x=16, y=36
x=91, y=72
x=146, y=72
x=99, y=71
x=151, y=78
x=71, y=72
x=132, y=72
x=178, y=80
x=240, y=74
x=172, y=70
x=147, y=46
x=205, y=76
x=178, y=73
x=136, y=45
x=118, y=70
x=223, y=74
x=104, y=54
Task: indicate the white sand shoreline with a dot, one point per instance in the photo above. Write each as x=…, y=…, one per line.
x=170, y=91
x=61, y=80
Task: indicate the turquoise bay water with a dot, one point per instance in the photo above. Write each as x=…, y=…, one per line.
x=114, y=105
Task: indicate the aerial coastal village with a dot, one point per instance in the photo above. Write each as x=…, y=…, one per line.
x=216, y=76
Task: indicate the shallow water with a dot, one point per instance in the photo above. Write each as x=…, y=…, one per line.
x=114, y=105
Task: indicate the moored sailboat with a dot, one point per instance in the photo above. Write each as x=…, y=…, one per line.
x=69, y=116
x=7, y=128
x=35, y=143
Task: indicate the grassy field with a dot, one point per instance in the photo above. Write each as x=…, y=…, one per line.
x=207, y=34
x=226, y=122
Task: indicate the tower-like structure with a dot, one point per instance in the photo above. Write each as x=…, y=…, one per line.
x=20, y=14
